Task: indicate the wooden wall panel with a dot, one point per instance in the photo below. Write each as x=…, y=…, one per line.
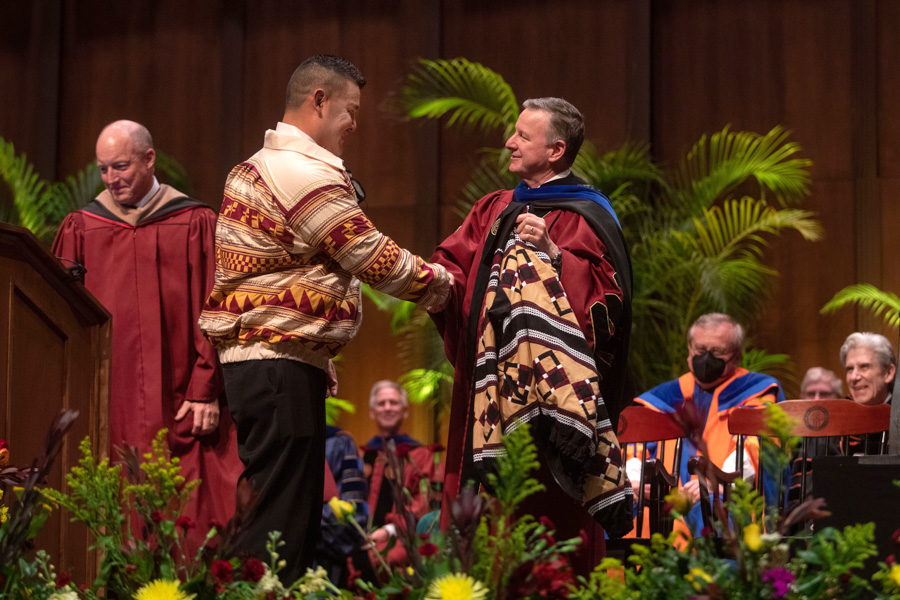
x=155, y=62
x=714, y=64
x=888, y=36
x=29, y=73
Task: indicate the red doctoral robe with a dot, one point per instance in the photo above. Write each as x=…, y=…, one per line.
x=153, y=268
x=589, y=280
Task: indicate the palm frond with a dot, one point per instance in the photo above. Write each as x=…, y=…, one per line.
x=738, y=225
x=26, y=185
x=629, y=165
x=470, y=93
x=778, y=366
x=428, y=385
x=401, y=311
x=718, y=164
x=334, y=407
x=883, y=305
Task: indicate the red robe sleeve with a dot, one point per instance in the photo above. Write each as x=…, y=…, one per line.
x=69, y=241
x=459, y=254
x=206, y=382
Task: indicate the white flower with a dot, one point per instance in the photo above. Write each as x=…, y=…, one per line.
x=269, y=583
x=68, y=595
x=313, y=581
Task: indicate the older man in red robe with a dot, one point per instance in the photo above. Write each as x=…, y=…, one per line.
x=538, y=328
x=148, y=254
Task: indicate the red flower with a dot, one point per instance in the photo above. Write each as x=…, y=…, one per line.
x=552, y=579
x=253, y=570
x=435, y=448
x=890, y=560
x=129, y=569
x=547, y=536
x=402, y=450
x=428, y=549
x=216, y=525
x=222, y=571
x=63, y=579
x=185, y=523
x=156, y=516
x=896, y=536
x=403, y=594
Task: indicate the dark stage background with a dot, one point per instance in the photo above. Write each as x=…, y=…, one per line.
x=207, y=77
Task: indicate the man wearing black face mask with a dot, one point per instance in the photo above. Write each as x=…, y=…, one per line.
x=716, y=385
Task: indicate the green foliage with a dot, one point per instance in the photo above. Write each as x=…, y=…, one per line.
x=513, y=482
x=39, y=205
x=157, y=493
x=830, y=559
x=883, y=305
x=95, y=496
x=697, y=245
x=334, y=407
x=467, y=92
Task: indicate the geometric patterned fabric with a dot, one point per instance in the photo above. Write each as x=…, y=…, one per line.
x=533, y=365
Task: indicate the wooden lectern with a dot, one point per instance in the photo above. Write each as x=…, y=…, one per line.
x=54, y=353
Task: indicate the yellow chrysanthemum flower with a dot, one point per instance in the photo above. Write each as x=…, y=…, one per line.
x=751, y=537
x=456, y=586
x=895, y=574
x=162, y=589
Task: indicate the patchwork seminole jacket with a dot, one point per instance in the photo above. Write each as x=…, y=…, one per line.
x=292, y=247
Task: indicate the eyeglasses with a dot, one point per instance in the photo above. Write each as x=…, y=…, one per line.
x=357, y=187
x=723, y=353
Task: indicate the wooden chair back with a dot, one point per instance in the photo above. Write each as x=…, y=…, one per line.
x=711, y=476
x=639, y=427
x=837, y=418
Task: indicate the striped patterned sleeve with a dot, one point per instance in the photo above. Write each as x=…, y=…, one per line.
x=328, y=218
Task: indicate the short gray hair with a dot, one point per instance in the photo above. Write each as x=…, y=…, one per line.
x=875, y=342
x=817, y=374
x=566, y=124
x=387, y=383
x=713, y=320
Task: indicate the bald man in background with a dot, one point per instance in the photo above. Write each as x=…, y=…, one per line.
x=148, y=253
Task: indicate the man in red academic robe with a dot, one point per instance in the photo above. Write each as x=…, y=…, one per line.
x=148, y=253
x=571, y=278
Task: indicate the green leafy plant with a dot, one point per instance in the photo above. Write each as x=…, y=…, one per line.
x=881, y=304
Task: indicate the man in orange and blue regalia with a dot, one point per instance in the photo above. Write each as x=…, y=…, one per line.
x=717, y=386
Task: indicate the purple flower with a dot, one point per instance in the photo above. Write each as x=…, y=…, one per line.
x=781, y=580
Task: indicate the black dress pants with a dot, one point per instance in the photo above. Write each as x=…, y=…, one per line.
x=278, y=406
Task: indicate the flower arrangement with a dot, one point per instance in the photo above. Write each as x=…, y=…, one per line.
x=487, y=552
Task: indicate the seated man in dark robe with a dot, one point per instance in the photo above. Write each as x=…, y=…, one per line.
x=148, y=251
x=538, y=328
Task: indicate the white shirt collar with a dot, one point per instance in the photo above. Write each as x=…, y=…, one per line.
x=558, y=176
x=288, y=129
x=153, y=189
